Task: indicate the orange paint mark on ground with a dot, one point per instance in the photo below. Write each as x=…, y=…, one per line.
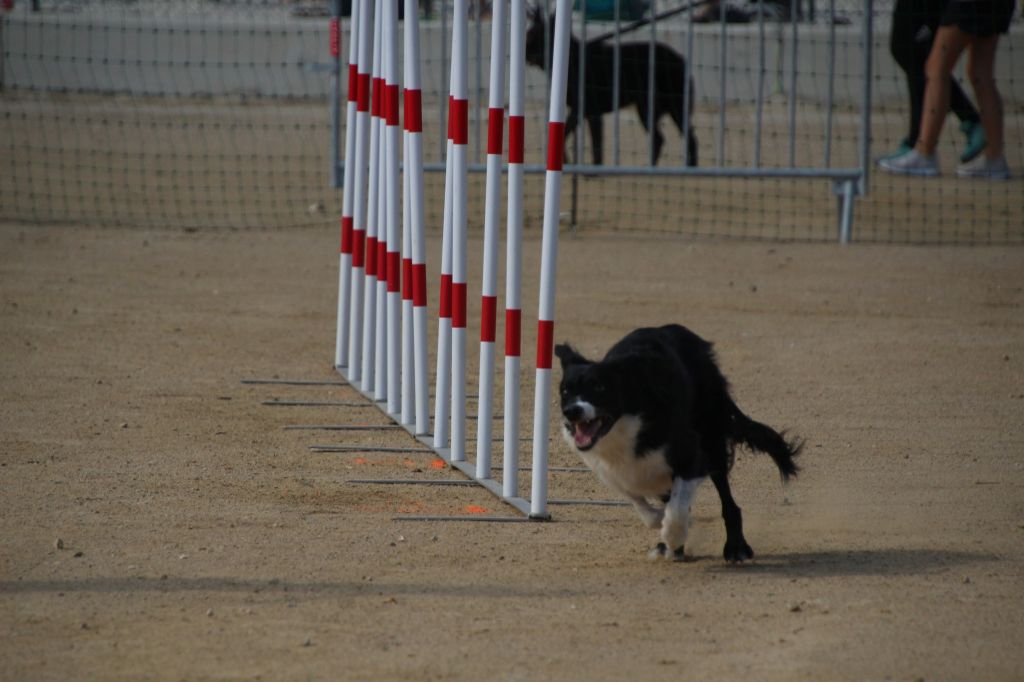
x=475, y=509
x=438, y=464
x=361, y=460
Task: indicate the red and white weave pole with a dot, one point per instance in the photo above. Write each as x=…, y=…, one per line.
x=380, y=337
x=549, y=257
x=358, y=176
x=417, y=280
x=514, y=247
x=374, y=217
x=492, y=205
x=393, y=141
x=460, y=139
x=443, y=378
x=345, y=260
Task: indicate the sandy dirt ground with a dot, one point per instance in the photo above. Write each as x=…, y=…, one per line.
x=159, y=522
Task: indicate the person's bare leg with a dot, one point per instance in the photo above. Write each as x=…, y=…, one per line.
x=981, y=61
x=946, y=50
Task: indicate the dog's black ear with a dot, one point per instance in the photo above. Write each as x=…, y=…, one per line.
x=568, y=355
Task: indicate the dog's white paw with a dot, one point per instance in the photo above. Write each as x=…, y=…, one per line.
x=661, y=551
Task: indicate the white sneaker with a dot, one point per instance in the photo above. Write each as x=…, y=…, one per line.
x=911, y=163
x=983, y=167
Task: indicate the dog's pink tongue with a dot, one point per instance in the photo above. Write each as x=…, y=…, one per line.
x=585, y=432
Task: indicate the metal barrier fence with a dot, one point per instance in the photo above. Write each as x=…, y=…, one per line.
x=211, y=114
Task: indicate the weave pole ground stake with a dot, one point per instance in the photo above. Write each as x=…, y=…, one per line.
x=514, y=246
x=345, y=257
x=414, y=173
x=549, y=258
x=492, y=206
x=359, y=199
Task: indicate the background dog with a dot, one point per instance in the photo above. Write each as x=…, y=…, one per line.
x=653, y=419
x=635, y=61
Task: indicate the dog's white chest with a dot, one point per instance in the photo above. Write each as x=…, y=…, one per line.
x=616, y=463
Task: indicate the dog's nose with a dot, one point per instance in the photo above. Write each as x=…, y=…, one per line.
x=573, y=413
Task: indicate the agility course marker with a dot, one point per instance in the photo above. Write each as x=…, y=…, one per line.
x=416, y=279
x=549, y=257
x=348, y=192
x=358, y=176
x=392, y=276
x=492, y=204
x=460, y=138
x=513, y=246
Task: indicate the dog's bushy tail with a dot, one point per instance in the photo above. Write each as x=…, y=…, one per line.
x=758, y=436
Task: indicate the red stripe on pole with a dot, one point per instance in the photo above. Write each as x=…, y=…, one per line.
x=363, y=102
x=357, y=248
x=458, y=305
x=495, y=127
x=545, y=341
x=8, y=5
x=382, y=260
x=394, y=268
x=413, y=111
x=445, y=304
x=335, y=37
x=353, y=83
x=371, y=256
x=515, y=139
x=419, y=285
x=346, y=234
x=391, y=105
x=513, y=332
x=488, y=317
x=460, y=121
x=377, y=100
x=556, y=145
x=406, y=279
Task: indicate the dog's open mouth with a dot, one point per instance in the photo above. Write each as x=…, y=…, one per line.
x=586, y=432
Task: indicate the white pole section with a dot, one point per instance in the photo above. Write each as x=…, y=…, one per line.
x=359, y=200
x=394, y=229
x=549, y=258
x=414, y=172
x=514, y=247
x=492, y=206
x=373, y=211
x=345, y=258
x=460, y=138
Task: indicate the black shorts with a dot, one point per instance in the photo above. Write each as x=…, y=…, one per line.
x=979, y=17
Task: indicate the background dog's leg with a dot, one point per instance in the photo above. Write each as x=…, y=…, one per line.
x=651, y=516
x=596, y=138
x=676, y=523
x=736, y=547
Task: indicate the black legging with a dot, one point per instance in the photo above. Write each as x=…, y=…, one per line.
x=914, y=23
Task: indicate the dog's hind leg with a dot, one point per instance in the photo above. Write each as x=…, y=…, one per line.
x=676, y=524
x=596, y=138
x=736, y=547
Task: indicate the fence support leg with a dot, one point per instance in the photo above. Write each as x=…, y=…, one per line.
x=845, y=192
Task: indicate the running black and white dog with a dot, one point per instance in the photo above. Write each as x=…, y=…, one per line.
x=653, y=419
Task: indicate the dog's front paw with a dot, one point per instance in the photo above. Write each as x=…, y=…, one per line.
x=736, y=552
x=661, y=551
